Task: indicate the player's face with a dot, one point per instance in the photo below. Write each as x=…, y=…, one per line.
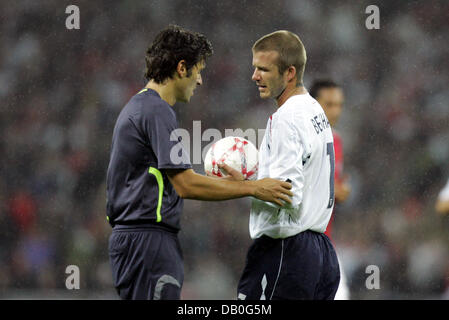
x=331, y=99
x=266, y=74
x=188, y=84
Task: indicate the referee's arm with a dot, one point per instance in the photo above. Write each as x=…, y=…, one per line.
x=190, y=185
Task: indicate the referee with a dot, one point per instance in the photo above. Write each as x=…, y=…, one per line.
x=145, y=188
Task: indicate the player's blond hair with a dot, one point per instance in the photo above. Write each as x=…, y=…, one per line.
x=290, y=48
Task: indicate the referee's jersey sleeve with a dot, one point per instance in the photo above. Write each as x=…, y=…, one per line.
x=160, y=127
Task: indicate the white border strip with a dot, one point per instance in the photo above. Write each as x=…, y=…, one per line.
x=279, y=271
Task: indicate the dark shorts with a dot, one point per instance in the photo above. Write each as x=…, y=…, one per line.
x=301, y=267
x=147, y=264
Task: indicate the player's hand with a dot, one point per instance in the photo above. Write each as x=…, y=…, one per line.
x=274, y=191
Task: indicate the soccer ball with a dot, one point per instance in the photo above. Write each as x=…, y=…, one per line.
x=238, y=153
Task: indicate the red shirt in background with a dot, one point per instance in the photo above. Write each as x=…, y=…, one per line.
x=338, y=149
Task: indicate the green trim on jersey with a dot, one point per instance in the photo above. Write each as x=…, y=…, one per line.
x=160, y=183
x=143, y=90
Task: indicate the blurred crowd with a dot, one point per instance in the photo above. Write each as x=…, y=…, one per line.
x=61, y=91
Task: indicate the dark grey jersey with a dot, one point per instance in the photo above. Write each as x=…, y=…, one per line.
x=138, y=189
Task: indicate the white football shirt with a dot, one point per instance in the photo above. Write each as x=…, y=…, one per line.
x=297, y=145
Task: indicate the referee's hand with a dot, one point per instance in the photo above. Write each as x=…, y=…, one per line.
x=274, y=191
x=231, y=173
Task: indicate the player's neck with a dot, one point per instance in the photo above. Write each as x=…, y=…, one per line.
x=290, y=90
x=165, y=90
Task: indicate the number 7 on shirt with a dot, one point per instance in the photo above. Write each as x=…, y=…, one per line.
x=330, y=153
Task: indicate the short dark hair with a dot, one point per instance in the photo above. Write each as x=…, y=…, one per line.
x=321, y=84
x=290, y=48
x=172, y=45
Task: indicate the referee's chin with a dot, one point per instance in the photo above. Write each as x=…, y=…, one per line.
x=183, y=100
x=186, y=99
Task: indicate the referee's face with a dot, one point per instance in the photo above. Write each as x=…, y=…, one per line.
x=188, y=84
x=266, y=74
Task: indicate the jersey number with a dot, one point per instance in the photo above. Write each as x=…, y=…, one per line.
x=330, y=152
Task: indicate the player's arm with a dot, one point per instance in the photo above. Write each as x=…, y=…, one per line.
x=442, y=203
x=342, y=190
x=190, y=185
x=341, y=186
x=442, y=207
x=287, y=153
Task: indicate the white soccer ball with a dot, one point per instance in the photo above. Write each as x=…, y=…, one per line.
x=236, y=152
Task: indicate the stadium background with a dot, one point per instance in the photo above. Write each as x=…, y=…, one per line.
x=61, y=91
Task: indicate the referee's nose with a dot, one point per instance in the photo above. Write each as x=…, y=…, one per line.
x=199, y=79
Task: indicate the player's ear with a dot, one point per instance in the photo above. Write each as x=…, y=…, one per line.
x=291, y=73
x=181, y=69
